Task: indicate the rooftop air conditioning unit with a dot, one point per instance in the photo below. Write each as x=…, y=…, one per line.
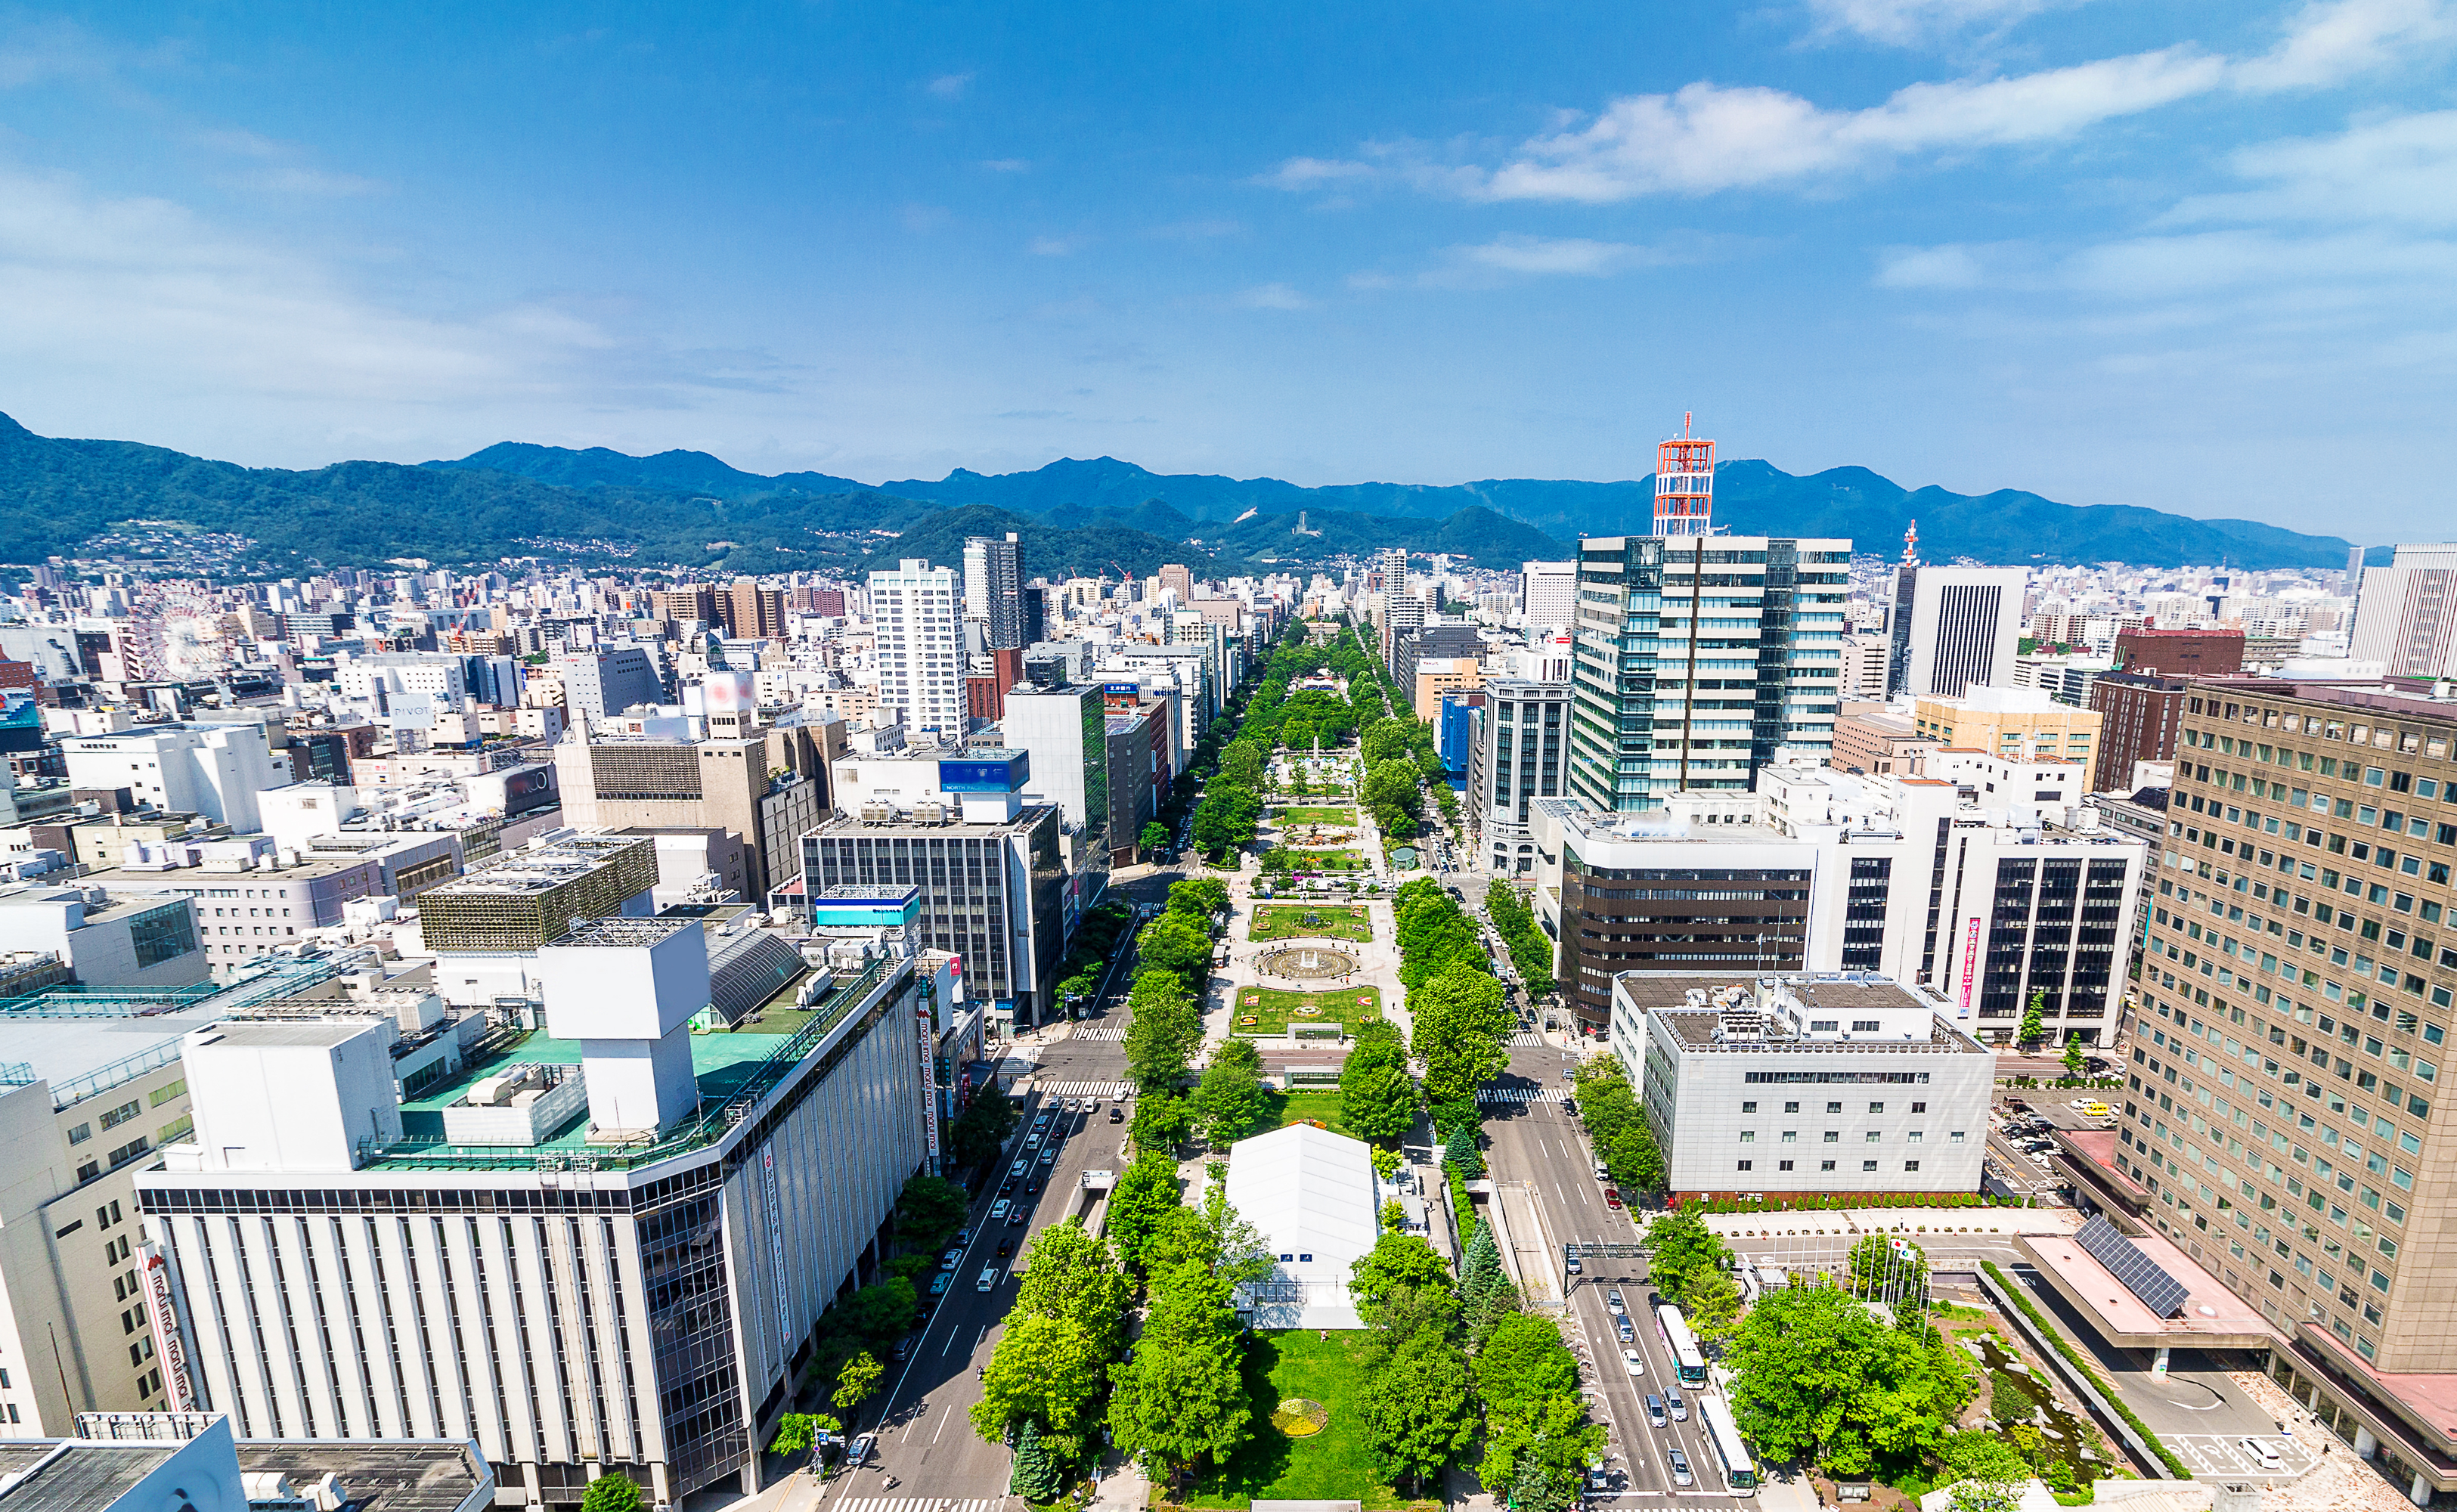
x=929, y=813
x=877, y=813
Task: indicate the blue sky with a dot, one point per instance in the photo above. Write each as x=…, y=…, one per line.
x=2196, y=256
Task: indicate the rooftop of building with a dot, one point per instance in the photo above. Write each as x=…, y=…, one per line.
x=136, y=897
x=2211, y=1317
x=397, y=1476
x=842, y=821
x=1711, y=1011
x=2370, y=698
x=172, y=878
x=540, y=867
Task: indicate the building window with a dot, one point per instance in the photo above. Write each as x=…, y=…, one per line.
x=1910, y=1165
x=1868, y=1164
x=1954, y=1138
x=1826, y=1165
x=1782, y=1165
x=1833, y=1136
x=1748, y=1136
x=1875, y=1137
x=1745, y=1164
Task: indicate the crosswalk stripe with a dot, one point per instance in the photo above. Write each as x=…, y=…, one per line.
x=1526, y=1040
x=1048, y=1090
x=1518, y=1094
x=1101, y=1029
x=920, y=1504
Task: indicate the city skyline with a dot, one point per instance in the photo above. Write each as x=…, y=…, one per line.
x=2143, y=255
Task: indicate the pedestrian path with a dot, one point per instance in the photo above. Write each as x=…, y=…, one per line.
x=1527, y=1040
x=1101, y=1029
x=920, y=1504
x=1518, y=1094
x=1050, y=1090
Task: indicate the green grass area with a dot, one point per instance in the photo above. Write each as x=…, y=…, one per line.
x=1333, y=1466
x=1310, y=922
x=1274, y=1008
x=1311, y=814
x=1303, y=1107
x=1327, y=862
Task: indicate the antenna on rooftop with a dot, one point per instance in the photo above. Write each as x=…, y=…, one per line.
x=1910, y=544
x=1685, y=484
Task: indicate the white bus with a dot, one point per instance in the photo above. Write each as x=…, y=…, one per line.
x=1687, y=1364
x=1724, y=1437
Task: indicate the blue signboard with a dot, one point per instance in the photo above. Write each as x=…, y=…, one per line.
x=886, y=910
x=1121, y=690
x=1006, y=773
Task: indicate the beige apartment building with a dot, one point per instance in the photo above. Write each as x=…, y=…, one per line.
x=2022, y=724
x=2283, y=1104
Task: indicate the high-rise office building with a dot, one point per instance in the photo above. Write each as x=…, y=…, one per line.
x=606, y=679
x=920, y=647
x=2405, y=619
x=994, y=590
x=1548, y=592
x=2296, y=1146
x=1518, y=751
x=1698, y=657
x=1175, y=578
x=1952, y=627
x=1065, y=731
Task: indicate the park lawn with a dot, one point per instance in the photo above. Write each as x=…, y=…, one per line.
x=1309, y=1106
x=1273, y=1009
x=1305, y=814
x=1328, y=921
x=1326, y=861
x=1333, y=1466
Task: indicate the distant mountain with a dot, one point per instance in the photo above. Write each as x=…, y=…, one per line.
x=1754, y=498
x=690, y=508
x=1094, y=551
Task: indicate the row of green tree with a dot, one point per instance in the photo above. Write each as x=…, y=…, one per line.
x=1616, y=1126
x=1531, y=949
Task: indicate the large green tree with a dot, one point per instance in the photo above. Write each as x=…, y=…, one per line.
x=1682, y=1252
x=930, y=1209
x=1378, y=1097
x=1147, y=1191
x=1523, y=1359
x=1486, y=1292
x=1173, y=942
x=1419, y=1415
x=1046, y=1369
x=1183, y=1397
x=1537, y=1451
x=1071, y=1273
x=612, y=1493
x=1462, y=1028
x=1817, y=1377
x=1395, y=1260
x=1161, y=1122
x=1241, y=762
x=882, y=1309
x=1162, y=1033
x=1230, y=1102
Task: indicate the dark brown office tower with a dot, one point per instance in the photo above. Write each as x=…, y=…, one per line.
x=751, y=613
x=2139, y=715
x=2180, y=653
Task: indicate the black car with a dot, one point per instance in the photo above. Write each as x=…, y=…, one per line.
x=903, y=1347
x=1117, y=1114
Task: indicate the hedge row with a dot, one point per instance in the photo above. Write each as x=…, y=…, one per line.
x=2072, y=1357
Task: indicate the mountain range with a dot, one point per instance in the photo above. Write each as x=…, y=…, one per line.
x=1075, y=517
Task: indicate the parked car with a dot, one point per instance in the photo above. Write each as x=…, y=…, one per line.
x=903, y=1348
x=939, y=1283
x=1612, y=1196
x=856, y=1455
x=1117, y=1114
x=2261, y=1455
x=999, y=1211
x=951, y=1259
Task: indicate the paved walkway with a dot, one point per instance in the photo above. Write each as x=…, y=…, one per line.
x=1912, y=1221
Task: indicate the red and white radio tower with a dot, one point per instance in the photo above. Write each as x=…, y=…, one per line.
x=1685, y=485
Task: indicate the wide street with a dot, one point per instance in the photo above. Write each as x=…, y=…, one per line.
x=927, y=1448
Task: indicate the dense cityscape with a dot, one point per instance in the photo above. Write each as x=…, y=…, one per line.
x=948, y=1032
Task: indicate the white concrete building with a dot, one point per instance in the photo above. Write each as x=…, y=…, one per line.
x=1784, y=1085
x=1954, y=627
x=626, y=1293
x=1312, y=1195
x=124, y=939
x=920, y=647
x=216, y=769
x=1548, y=595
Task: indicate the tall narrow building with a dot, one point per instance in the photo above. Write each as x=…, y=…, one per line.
x=920, y=647
x=994, y=590
x=1697, y=657
x=2405, y=619
x=1547, y=592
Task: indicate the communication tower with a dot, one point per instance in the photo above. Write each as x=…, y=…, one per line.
x=1685, y=485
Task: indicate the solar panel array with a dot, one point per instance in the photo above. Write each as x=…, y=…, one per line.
x=2144, y=1277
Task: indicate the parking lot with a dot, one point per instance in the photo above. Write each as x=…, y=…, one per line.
x=2018, y=1135
x=2224, y=1454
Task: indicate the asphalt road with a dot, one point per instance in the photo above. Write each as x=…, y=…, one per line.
x=1540, y=1144
x=926, y=1443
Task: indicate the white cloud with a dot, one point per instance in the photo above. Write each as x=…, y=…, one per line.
x=2333, y=40
x=1564, y=255
x=2401, y=169
x=1707, y=137
x=1008, y=165
x=1273, y=297
x=1905, y=23
x=950, y=85
x=1946, y=267
x=1056, y=246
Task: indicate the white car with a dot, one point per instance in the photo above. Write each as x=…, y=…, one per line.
x=1630, y=1362
x=2261, y=1455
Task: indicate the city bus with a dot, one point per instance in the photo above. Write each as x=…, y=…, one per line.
x=1687, y=1364
x=1724, y=1437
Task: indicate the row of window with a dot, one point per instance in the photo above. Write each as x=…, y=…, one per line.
x=1909, y=1167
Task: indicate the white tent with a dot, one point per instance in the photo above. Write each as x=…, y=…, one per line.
x=1311, y=1193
